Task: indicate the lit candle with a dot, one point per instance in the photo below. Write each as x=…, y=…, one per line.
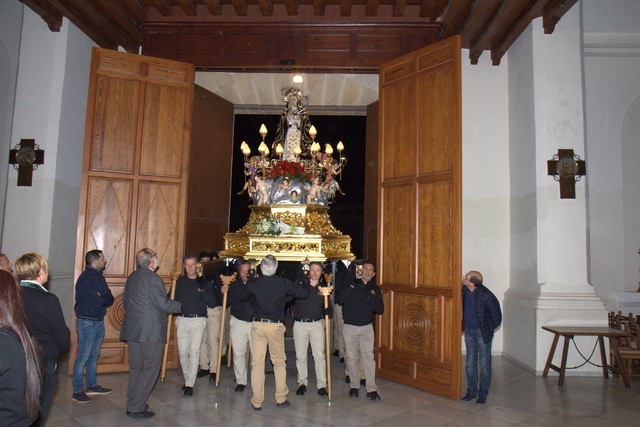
x=340, y=146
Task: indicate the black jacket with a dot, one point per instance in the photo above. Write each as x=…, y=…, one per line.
x=46, y=320
x=93, y=295
x=13, y=411
x=359, y=301
x=487, y=310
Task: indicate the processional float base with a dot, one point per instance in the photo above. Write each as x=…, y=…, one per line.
x=304, y=232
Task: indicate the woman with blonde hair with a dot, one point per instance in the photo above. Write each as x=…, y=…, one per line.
x=20, y=359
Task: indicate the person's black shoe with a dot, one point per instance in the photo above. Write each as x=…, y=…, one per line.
x=322, y=391
x=342, y=360
x=202, y=373
x=212, y=376
x=363, y=382
x=223, y=360
x=256, y=408
x=336, y=353
x=353, y=392
x=301, y=390
x=188, y=391
x=240, y=388
x=373, y=395
x=284, y=404
x=146, y=408
x=467, y=397
x=347, y=379
x=482, y=400
x=141, y=415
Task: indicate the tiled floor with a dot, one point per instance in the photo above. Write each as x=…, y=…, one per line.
x=517, y=398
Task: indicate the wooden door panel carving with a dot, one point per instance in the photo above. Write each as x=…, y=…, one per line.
x=116, y=110
x=420, y=218
x=108, y=221
x=134, y=177
x=163, y=130
x=158, y=222
x=397, y=235
x=399, y=159
x=434, y=234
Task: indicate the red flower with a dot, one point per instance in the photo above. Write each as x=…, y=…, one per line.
x=292, y=170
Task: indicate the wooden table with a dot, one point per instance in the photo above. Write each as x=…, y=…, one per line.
x=568, y=332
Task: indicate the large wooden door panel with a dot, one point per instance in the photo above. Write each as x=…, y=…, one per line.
x=420, y=219
x=134, y=176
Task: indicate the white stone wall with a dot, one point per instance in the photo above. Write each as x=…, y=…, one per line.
x=612, y=95
x=50, y=107
x=485, y=180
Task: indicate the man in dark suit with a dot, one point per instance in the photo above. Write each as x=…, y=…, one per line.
x=144, y=327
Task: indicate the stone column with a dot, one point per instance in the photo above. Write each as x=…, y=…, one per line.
x=548, y=283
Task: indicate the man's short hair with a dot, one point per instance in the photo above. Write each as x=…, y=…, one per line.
x=28, y=266
x=190, y=256
x=244, y=262
x=144, y=257
x=91, y=256
x=318, y=263
x=203, y=255
x=370, y=262
x=269, y=265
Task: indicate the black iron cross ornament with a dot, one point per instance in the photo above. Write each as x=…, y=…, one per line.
x=25, y=158
x=567, y=168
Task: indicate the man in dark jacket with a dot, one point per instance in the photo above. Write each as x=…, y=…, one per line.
x=93, y=296
x=46, y=320
x=481, y=315
x=361, y=298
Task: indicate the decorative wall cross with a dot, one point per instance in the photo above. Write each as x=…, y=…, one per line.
x=25, y=158
x=567, y=168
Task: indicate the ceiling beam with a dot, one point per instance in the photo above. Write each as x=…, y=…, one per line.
x=498, y=27
x=292, y=7
x=345, y=8
x=517, y=27
x=188, y=6
x=164, y=6
x=319, y=7
x=399, y=7
x=434, y=9
x=135, y=10
x=240, y=6
x=479, y=19
x=119, y=17
x=50, y=15
x=371, y=8
x=266, y=7
x=455, y=17
x=552, y=14
x=214, y=6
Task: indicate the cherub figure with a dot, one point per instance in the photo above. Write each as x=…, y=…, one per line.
x=262, y=189
x=314, y=192
x=330, y=186
x=249, y=187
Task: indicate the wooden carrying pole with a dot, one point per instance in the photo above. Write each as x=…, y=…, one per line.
x=226, y=280
x=165, y=351
x=326, y=291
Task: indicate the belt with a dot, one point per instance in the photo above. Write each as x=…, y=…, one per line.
x=89, y=318
x=193, y=315
x=307, y=320
x=257, y=319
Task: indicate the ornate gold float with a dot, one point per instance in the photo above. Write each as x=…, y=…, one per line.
x=291, y=193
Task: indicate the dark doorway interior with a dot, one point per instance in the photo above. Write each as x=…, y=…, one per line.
x=347, y=212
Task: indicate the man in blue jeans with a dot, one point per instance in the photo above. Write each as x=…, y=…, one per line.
x=93, y=296
x=481, y=315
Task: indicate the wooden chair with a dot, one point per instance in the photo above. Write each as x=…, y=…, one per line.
x=630, y=351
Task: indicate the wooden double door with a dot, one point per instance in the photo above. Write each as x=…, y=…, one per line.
x=136, y=183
